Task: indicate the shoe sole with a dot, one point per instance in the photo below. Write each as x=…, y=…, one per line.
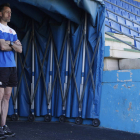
x=4, y=137
x=10, y=135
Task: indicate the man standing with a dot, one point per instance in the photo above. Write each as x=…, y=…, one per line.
x=8, y=74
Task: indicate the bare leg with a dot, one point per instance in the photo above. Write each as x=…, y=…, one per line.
x=1, y=97
x=5, y=104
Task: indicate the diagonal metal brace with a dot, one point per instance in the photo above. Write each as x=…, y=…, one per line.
x=73, y=66
x=96, y=48
x=42, y=65
x=23, y=65
x=58, y=64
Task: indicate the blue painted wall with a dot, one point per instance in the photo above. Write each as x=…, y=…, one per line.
x=120, y=100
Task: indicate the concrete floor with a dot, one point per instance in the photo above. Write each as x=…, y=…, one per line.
x=65, y=131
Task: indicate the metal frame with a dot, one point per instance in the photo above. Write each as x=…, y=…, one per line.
x=57, y=74
x=123, y=17
x=130, y=4
x=121, y=8
x=123, y=25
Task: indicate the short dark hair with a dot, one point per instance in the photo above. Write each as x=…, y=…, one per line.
x=4, y=5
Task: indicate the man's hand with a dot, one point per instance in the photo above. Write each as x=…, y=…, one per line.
x=17, y=42
x=17, y=46
x=4, y=45
x=7, y=42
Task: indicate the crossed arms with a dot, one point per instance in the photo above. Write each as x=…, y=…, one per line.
x=4, y=46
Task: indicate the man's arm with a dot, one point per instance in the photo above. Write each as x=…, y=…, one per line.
x=17, y=46
x=4, y=46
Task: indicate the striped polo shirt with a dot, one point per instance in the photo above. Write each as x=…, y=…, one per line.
x=7, y=57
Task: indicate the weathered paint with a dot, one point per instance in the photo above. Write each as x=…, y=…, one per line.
x=121, y=76
x=120, y=100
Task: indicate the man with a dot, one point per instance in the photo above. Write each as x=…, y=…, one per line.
x=8, y=74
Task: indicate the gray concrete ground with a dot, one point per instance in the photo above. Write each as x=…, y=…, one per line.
x=65, y=131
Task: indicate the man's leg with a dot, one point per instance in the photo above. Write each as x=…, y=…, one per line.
x=5, y=104
x=1, y=97
x=2, y=134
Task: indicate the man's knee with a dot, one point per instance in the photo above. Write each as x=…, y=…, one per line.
x=6, y=96
x=1, y=93
x=7, y=93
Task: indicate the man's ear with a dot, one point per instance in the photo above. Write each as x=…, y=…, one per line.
x=0, y=14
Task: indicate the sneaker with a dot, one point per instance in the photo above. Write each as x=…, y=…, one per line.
x=8, y=132
x=2, y=136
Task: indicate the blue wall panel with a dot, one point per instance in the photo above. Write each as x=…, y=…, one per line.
x=120, y=100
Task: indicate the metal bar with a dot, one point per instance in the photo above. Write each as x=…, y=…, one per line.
x=73, y=64
x=122, y=33
x=92, y=78
x=67, y=57
x=130, y=4
x=15, y=88
x=42, y=64
x=23, y=67
x=74, y=76
x=59, y=77
x=121, y=8
x=50, y=73
x=124, y=25
x=51, y=60
x=67, y=66
x=41, y=67
x=83, y=62
x=123, y=17
x=62, y=51
x=122, y=41
x=96, y=48
x=33, y=67
x=28, y=91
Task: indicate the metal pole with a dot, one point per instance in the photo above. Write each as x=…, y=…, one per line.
x=15, y=88
x=67, y=66
x=83, y=65
x=121, y=8
x=122, y=41
x=123, y=17
x=33, y=69
x=50, y=83
x=130, y=4
x=123, y=25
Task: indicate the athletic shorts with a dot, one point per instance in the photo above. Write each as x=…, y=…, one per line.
x=8, y=77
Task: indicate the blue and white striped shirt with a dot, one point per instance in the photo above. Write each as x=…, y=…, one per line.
x=7, y=57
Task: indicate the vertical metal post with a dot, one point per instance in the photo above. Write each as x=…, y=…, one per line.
x=33, y=69
x=15, y=88
x=67, y=66
x=83, y=66
x=50, y=73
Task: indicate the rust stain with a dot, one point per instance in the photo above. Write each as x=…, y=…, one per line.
x=117, y=110
x=130, y=104
x=116, y=86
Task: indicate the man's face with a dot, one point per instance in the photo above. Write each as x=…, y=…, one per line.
x=5, y=14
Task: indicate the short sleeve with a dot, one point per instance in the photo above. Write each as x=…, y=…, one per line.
x=1, y=35
x=15, y=38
